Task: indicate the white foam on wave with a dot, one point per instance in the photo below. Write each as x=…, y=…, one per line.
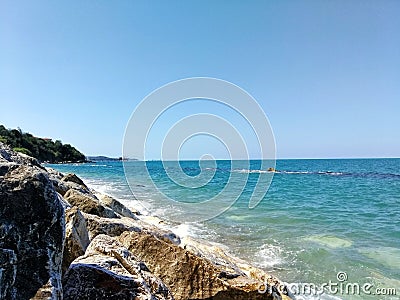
x=246, y=171
x=294, y=172
x=329, y=241
x=330, y=173
x=184, y=230
x=238, y=218
x=114, y=190
x=97, y=165
x=269, y=256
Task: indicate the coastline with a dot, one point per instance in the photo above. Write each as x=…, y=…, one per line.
x=291, y=243
x=104, y=241
x=208, y=251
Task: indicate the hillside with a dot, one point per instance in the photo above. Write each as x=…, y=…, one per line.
x=45, y=150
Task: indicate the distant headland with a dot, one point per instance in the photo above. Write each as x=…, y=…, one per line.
x=106, y=158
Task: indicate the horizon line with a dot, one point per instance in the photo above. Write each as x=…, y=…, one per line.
x=284, y=158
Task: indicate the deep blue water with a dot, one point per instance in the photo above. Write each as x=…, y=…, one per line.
x=319, y=217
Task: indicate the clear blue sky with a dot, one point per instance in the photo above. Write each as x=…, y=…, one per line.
x=327, y=73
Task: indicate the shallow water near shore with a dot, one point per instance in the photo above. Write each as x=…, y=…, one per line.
x=319, y=217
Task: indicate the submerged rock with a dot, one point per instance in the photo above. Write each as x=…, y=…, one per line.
x=31, y=231
x=110, y=271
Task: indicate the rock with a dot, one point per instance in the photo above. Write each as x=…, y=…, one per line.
x=215, y=254
x=110, y=271
x=54, y=173
x=8, y=259
x=64, y=183
x=218, y=256
x=76, y=236
x=112, y=227
x=117, y=206
x=44, y=293
x=7, y=155
x=189, y=276
x=110, y=252
x=88, y=203
x=31, y=230
x=73, y=178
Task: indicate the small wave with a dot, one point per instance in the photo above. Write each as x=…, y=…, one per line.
x=193, y=230
x=327, y=173
x=294, y=172
x=238, y=218
x=330, y=173
x=97, y=165
x=251, y=171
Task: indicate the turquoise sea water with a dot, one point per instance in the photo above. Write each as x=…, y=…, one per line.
x=319, y=217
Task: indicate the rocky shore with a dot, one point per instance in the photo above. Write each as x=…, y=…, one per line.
x=61, y=240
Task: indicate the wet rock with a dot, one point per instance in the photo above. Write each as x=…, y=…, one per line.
x=110, y=271
x=31, y=230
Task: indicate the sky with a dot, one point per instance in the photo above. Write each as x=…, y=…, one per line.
x=326, y=73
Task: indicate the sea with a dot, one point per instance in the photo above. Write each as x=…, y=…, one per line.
x=329, y=228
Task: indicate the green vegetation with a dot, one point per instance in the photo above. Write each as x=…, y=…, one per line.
x=23, y=150
x=45, y=150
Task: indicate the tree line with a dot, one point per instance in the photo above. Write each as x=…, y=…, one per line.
x=45, y=150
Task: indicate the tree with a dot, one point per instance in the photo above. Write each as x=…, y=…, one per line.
x=45, y=150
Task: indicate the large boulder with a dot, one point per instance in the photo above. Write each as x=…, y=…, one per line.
x=88, y=203
x=63, y=183
x=116, y=226
x=73, y=178
x=110, y=271
x=31, y=230
x=117, y=206
x=190, y=276
x=112, y=227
